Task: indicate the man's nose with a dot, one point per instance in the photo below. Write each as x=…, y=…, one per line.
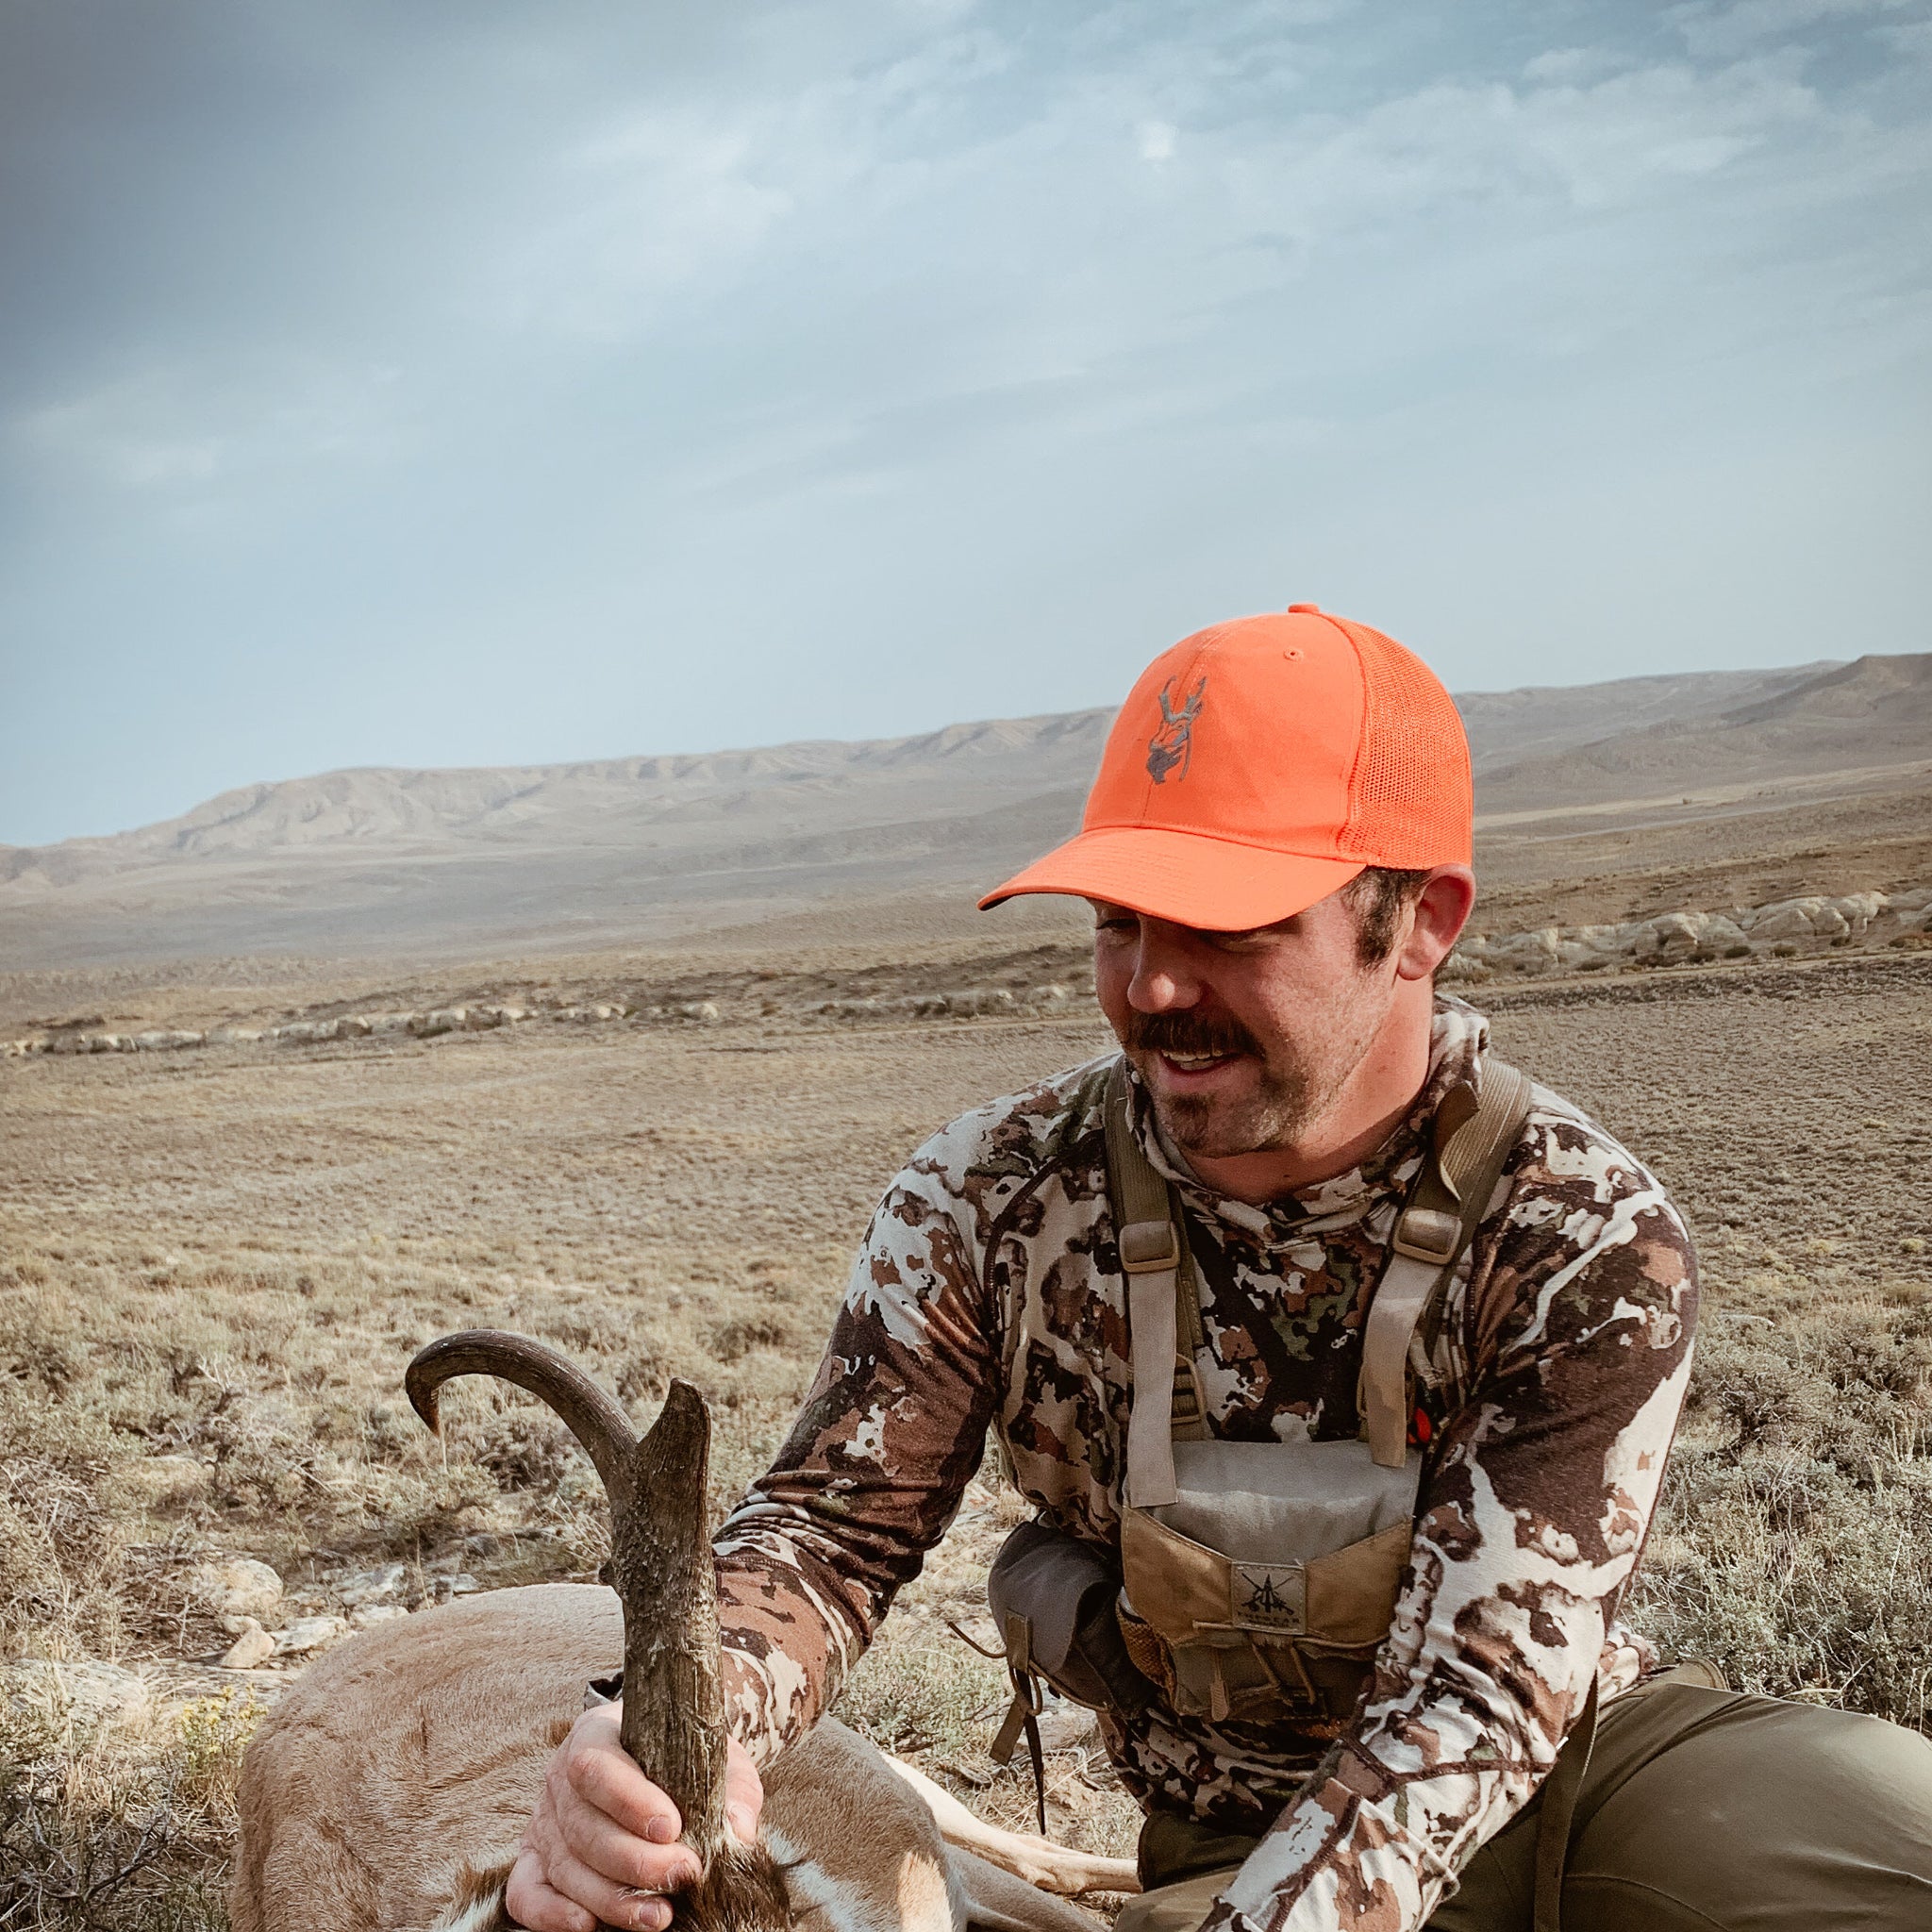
x=1162, y=981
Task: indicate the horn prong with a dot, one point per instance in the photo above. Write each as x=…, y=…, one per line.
x=661, y=1566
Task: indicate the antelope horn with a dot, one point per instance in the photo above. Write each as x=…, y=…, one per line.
x=660, y=1566
x=596, y=1421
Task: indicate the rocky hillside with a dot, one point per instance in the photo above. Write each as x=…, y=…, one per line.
x=450, y=863
x=1874, y=712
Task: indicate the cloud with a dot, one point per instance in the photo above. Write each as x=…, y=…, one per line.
x=1158, y=139
x=1712, y=30
x=167, y=428
x=923, y=359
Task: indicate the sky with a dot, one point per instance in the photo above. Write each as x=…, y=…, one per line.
x=422, y=384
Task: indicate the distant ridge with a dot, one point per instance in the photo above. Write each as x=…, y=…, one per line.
x=607, y=801
x=611, y=799
x=607, y=851
x=1874, y=711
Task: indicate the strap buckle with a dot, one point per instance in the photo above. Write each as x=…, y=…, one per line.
x=1428, y=1234
x=1149, y=1246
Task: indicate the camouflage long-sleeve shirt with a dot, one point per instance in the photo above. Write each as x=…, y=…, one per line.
x=990, y=1293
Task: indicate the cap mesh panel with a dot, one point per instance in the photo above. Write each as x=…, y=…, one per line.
x=1410, y=803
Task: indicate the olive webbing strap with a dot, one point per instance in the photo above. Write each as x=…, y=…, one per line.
x=1560, y=1794
x=1163, y=1305
x=1472, y=1134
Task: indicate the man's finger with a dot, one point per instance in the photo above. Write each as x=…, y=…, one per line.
x=532, y=1901
x=593, y=1839
x=608, y=1780
x=609, y=1904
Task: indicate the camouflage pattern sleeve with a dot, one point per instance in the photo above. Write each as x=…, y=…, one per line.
x=891, y=1433
x=1534, y=1505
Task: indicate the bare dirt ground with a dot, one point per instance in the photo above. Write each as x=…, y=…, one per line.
x=214, y=1266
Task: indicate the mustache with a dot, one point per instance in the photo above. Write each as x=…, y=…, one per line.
x=1189, y=1032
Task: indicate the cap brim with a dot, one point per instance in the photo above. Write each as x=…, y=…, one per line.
x=1214, y=884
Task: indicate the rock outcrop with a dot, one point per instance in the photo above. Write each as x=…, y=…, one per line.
x=1674, y=938
x=1783, y=928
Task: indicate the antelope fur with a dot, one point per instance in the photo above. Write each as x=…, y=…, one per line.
x=389, y=1787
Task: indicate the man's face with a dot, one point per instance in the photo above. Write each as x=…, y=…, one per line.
x=1244, y=1039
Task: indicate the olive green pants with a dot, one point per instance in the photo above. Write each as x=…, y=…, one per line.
x=1702, y=1811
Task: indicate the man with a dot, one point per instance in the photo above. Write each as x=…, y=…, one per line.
x=1278, y=852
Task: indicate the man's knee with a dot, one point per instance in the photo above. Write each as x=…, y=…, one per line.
x=1174, y=1908
x=1764, y=1811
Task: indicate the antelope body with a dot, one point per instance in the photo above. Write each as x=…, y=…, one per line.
x=390, y=1786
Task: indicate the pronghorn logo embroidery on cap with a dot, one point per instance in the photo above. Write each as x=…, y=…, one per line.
x=1173, y=743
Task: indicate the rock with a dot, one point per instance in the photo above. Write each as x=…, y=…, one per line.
x=462, y=1584
x=390, y=1022
x=1859, y=909
x=88, y=1694
x=1460, y=969
x=351, y=1027
x=167, y=1039
x=1527, y=951
x=847, y=1009
x=234, y=1036
x=378, y=1586
x=375, y=1613
x=1607, y=944
x=1065, y=1726
x=1808, y=918
x=704, y=1011
x=301, y=1031
x=237, y=1586
x=252, y=1646
x=310, y=1633
x=979, y=1000
x=1678, y=935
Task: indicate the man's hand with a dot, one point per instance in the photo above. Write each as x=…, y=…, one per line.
x=602, y=1846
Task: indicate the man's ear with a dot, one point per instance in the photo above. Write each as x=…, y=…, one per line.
x=1441, y=910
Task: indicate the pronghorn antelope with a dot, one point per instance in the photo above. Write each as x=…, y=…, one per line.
x=390, y=1786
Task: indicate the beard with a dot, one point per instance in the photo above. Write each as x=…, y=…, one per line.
x=1289, y=1087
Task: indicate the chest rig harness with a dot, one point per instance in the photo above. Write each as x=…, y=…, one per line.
x=1257, y=1580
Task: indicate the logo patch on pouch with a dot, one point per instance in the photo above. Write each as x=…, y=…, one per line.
x=1268, y=1596
x=1173, y=743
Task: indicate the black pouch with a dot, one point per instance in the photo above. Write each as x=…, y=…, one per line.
x=1052, y=1598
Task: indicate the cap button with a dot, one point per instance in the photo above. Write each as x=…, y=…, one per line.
x=1305, y=609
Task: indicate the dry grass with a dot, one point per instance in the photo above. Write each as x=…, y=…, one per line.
x=215, y=1270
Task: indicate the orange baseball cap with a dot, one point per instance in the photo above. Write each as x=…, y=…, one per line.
x=1258, y=766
